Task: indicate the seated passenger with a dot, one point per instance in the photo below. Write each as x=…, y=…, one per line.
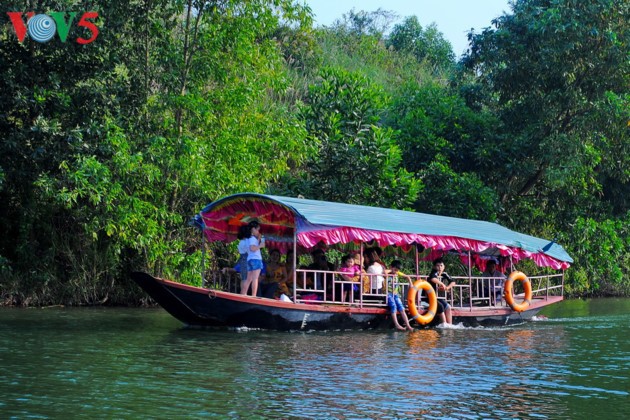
x=493, y=287
x=365, y=280
x=276, y=277
x=437, y=279
x=376, y=268
x=351, y=272
x=320, y=263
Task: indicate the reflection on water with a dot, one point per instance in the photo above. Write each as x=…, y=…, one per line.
x=135, y=363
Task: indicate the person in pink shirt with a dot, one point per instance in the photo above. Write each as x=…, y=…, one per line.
x=351, y=272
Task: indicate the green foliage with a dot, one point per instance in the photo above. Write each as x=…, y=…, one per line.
x=556, y=73
x=424, y=44
x=357, y=160
x=452, y=148
x=554, y=66
x=601, y=249
x=111, y=147
x=108, y=148
x=364, y=24
x=346, y=47
x=433, y=120
x=454, y=194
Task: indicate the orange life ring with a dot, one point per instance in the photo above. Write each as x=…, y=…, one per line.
x=411, y=302
x=509, y=297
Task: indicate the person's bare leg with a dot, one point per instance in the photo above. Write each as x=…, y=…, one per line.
x=244, y=286
x=406, y=319
x=396, y=323
x=255, y=275
x=449, y=316
x=248, y=282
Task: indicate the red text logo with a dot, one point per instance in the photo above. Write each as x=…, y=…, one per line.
x=42, y=27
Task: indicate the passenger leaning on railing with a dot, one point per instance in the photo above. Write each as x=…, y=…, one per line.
x=439, y=279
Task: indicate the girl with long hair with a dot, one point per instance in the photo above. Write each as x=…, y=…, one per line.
x=254, y=258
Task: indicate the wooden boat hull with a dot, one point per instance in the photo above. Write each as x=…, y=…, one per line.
x=204, y=307
x=196, y=306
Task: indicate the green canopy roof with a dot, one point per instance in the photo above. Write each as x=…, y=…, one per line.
x=315, y=220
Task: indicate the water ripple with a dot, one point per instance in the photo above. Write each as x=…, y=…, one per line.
x=143, y=364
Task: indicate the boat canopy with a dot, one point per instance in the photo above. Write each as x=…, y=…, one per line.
x=311, y=222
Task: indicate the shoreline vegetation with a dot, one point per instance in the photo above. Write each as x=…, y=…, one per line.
x=107, y=149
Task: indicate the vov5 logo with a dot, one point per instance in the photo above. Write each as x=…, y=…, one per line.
x=42, y=28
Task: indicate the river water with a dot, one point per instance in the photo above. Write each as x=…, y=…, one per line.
x=141, y=363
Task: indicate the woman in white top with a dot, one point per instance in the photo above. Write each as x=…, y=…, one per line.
x=376, y=269
x=254, y=258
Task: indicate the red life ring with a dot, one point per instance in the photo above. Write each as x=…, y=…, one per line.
x=411, y=302
x=508, y=295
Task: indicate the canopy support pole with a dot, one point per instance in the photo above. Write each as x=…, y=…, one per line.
x=417, y=262
x=469, y=279
x=294, y=257
x=203, y=257
x=362, y=260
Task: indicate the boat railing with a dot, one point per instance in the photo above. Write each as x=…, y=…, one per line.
x=477, y=291
x=227, y=281
x=326, y=287
x=480, y=292
x=547, y=285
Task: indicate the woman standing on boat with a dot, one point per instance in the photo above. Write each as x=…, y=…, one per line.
x=254, y=258
x=243, y=248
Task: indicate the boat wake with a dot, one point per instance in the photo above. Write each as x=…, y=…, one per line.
x=246, y=329
x=459, y=326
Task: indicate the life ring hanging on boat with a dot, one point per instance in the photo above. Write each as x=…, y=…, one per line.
x=509, y=296
x=411, y=302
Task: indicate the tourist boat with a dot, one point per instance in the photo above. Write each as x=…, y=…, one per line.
x=297, y=226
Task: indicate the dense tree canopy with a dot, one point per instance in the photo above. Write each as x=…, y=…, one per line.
x=357, y=160
x=560, y=78
x=107, y=148
x=560, y=73
x=425, y=44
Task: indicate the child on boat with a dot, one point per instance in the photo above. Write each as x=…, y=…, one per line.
x=350, y=272
x=366, y=283
x=393, y=296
